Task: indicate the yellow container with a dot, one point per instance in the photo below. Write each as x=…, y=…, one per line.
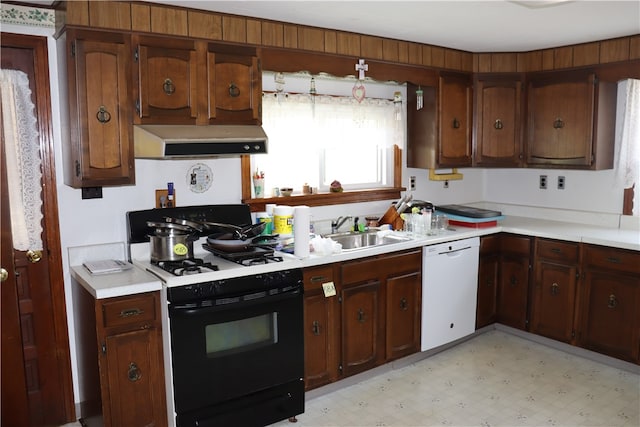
x=283, y=220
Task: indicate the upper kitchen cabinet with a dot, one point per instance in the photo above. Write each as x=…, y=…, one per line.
x=571, y=121
x=166, y=83
x=100, y=151
x=498, y=117
x=234, y=85
x=439, y=133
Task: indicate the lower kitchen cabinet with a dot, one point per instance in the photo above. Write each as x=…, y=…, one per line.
x=403, y=314
x=488, y=275
x=513, y=286
x=321, y=328
x=554, y=291
x=120, y=359
x=610, y=302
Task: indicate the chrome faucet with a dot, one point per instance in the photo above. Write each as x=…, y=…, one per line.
x=335, y=225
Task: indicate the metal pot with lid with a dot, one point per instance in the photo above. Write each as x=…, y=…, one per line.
x=171, y=242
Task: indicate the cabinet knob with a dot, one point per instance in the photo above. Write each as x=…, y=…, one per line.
x=234, y=91
x=613, y=301
x=558, y=123
x=498, y=124
x=134, y=372
x=513, y=281
x=315, y=327
x=103, y=115
x=403, y=304
x=456, y=123
x=555, y=289
x=168, y=87
x=4, y=274
x=33, y=256
x=360, y=316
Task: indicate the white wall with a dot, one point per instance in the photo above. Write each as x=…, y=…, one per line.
x=90, y=222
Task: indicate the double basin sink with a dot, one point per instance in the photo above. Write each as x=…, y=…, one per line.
x=352, y=240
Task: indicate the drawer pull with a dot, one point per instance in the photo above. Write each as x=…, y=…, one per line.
x=360, y=316
x=556, y=250
x=131, y=312
x=134, y=372
x=613, y=260
x=234, y=90
x=103, y=116
x=315, y=327
x=558, y=123
x=498, y=124
x=456, y=123
x=555, y=289
x=613, y=301
x=513, y=281
x=315, y=279
x=168, y=87
x=403, y=304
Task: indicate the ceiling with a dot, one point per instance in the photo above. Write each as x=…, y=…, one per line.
x=473, y=26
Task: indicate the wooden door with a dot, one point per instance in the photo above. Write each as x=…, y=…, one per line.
x=360, y=316
x=554, y=301
x=33, y=301
x=403, y=315
x=455, y=118
x=497, y=130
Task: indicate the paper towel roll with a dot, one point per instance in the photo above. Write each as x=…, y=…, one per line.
x=301, y=223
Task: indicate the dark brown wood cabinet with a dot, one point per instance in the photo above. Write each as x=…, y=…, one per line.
x=234, y=87
x=455, y=93
x=488, y=276
x=556, y=271
x=498, y=106
x=610, y=302
x=166, y=80
x=321, y=328
x=571, y=121
x=120, y=357
x=513, y=286
x=100, y=150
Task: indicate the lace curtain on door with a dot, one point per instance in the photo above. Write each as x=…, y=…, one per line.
x=23, y=164
x=628, y=137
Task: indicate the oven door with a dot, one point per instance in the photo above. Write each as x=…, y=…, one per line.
x=231, y=348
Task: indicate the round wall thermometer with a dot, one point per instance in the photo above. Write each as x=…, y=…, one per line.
x=199, y=178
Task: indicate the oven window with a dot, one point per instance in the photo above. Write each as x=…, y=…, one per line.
x=241, y=335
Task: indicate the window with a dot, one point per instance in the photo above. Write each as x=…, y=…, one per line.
x=321, y=138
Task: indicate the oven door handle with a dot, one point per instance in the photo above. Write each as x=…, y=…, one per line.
x=230, y=303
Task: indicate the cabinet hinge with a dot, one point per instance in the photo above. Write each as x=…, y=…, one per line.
x=77, y=168
x=339, y=299
x=340, y=367
x=73, y=49
x=136, y=55
x=104, y=348
x=573, y=334
x=137, y=106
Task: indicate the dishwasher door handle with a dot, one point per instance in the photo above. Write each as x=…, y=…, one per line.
x=455, y=252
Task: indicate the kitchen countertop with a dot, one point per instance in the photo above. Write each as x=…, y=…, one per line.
x=137, y=280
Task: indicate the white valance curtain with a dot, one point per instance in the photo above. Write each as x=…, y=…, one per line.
x=627, y=157
x=23, y=163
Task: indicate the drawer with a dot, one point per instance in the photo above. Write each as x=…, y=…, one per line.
x=555, y=250
x=314, y=277
x=130, y=310
x=520, y=245
x=615, y=259
x=489, y=244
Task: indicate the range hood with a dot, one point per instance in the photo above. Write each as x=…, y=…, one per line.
x=187, y=142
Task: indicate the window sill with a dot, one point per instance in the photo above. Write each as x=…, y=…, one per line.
x=326, y=199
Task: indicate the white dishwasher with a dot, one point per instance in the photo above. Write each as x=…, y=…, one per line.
x=449, y=291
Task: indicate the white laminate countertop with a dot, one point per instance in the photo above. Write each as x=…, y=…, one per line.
x=129, y=282
x=138, y=280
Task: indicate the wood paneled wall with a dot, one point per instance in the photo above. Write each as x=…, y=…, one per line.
x=176, y=21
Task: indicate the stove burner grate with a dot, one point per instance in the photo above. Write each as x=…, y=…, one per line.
x=252, y=256
x=186, y=267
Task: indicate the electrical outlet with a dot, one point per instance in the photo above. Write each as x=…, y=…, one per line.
x=413, y=183
x=446, y=184
x=543, y=182
x=561, y=183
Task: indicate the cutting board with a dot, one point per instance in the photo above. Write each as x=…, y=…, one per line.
x=469, y=212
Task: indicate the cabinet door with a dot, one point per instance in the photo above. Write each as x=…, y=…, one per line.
x=552, y=314
x=321, y=330
x=403, y=315
x=101, y=149
x=234, y=86
x=560, y=122
x=610, y=323
x=497, y=129
x=513, y=291
x=455, y=93
x=360, y=338
x=135, y=393
x=167, y=81
x=488, y=268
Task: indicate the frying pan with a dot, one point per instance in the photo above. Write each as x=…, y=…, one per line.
x=240, y=233
x=228, y=243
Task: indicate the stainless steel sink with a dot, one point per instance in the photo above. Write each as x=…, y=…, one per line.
x=355, y=240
